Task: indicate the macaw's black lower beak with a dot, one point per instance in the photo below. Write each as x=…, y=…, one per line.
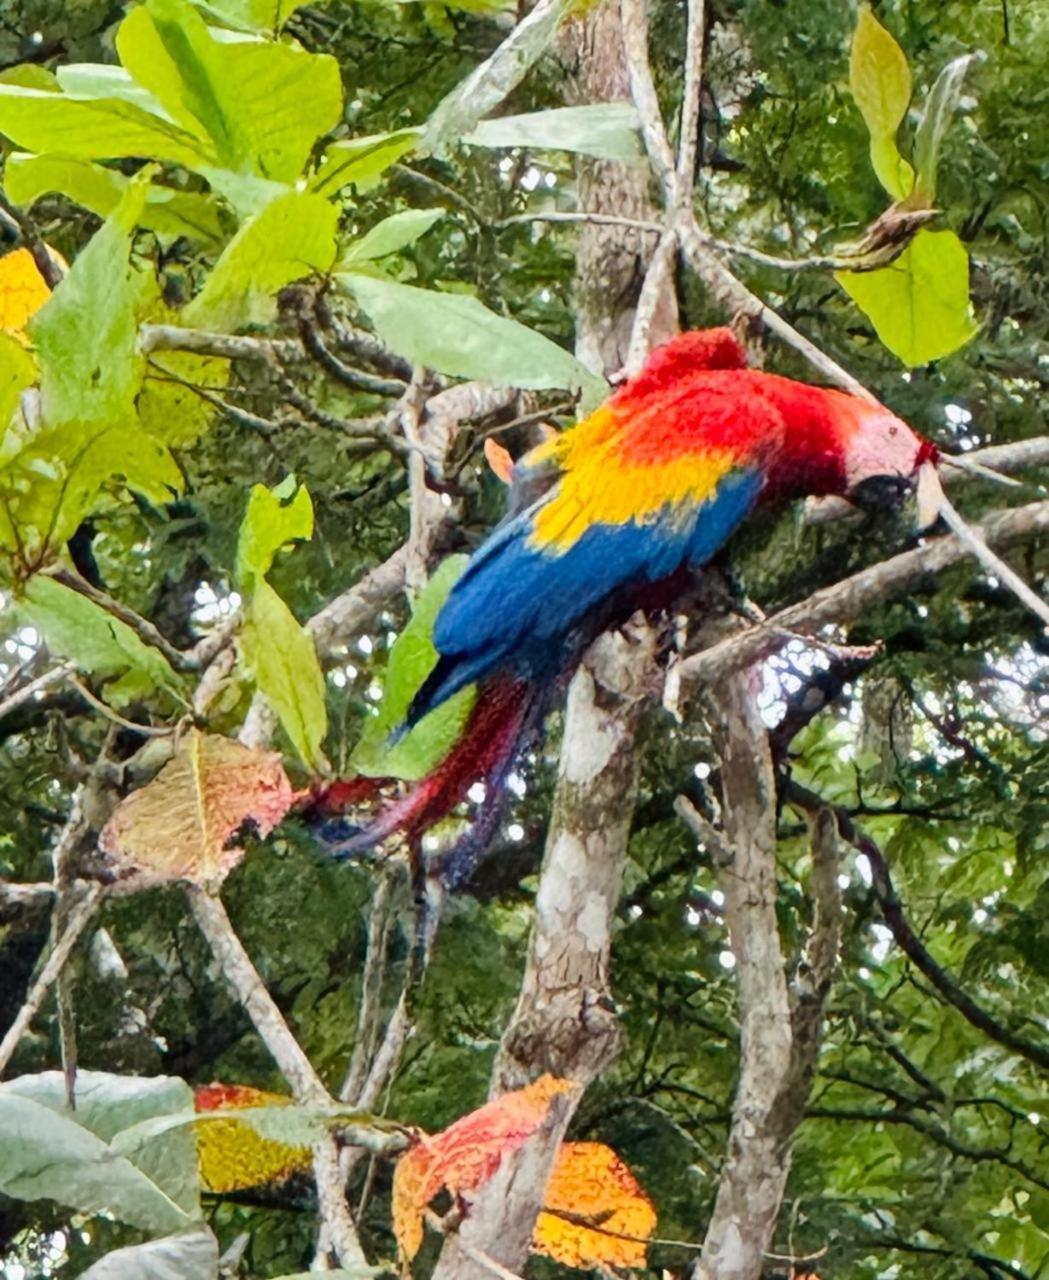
x=879, y=495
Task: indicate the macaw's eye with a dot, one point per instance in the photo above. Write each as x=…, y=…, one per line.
x=880, y=493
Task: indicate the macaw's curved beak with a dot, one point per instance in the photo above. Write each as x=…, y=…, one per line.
x=878, y=494
x=929, y=494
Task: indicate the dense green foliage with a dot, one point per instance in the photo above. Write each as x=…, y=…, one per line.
x=926, y=1141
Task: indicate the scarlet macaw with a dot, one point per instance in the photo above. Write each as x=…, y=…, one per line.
x=615, y=514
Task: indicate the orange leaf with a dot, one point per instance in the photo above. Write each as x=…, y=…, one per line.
x=466, y=1154
x=499, y=460
x=23, y=290
x=231, y=1154
x=177, y=826
x=592, y=1200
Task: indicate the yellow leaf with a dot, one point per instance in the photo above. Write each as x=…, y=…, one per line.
x=596, y=1213
x=880, y=80
x=23, y=290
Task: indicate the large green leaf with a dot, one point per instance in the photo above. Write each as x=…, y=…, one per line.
x=274, y=518
x=880, y=80
x=412, y=658
x=263, y=105
x=292, y=237
x=361, y=160
x=281, y=658
x=608, y=130
x=457, y=335
x=76, y=628
x=86, y=334
x=93, y=129
x=391, y=234
x=919, y=304
x=50, y=1152
x=190, y=1255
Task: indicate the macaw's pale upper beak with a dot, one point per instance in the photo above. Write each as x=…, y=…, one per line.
x=929, y=494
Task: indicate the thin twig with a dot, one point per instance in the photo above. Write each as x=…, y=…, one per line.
x=596, y=219
x=691, y=108
x=30, y=690
x=142, y=627
x=146, y=730
x=77, y=921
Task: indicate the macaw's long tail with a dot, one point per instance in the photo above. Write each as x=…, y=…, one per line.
x=506, y=717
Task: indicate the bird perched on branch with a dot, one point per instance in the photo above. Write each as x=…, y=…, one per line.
x=614, y=515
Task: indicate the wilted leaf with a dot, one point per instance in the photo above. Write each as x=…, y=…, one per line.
x=232, y=1154
x=76, y=628
x=880, y=80
x=593, y=1199
x=919, y=304
x=390, y=235
x=292, y=237
x=466, y=1154
x=936, y=116
x=608, y=130
x=274, y=518
x=281, y=658
x=50, y=1152
x=411, y=660
x=177, y=827
x=457, y=335
x=190, y=1255
x=361, y=160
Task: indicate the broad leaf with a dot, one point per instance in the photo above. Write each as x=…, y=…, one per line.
x=608, y=130
x=87, y=334
x=411, y=660
x=190, y=1255
x=280, y=656
x=936, y=117
x=170, y=406
x=293, y=236
x=880, y=80
x=457, y=335
x=919, y=304
x=361, y=161
x=274, y=518
x=49, y=1152
x=262, y=105
x=178, y=826
x=17, y=372
x=393, y=233
x=265, y=17
x=76, y=628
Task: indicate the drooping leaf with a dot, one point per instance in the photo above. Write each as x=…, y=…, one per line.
x=232, y=1154
x=411, y=660
x=880, y=80
x=935, y=120
x=86, y=334
x=178, y=826
x=457, y=335
x=361, y=161
x=280, y=656
x=76, y=628
x=919, y=304
x=592, y=1200
x=50, y=1152
x=466, y=1154
x=608, y=130
x=263, y=105
x=189, y=1255
x=292, y=237
x=392, y=234
x=274, y=518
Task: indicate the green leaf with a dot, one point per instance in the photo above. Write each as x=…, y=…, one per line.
x=50, y=1152
x=880, y=80
x=17, y=371
x=391, y=234
x=86, y=333
x=280, y=656
x=608, y=130
x=936, y=116
x=76, y=628
x=169, y=406
x=95, y=129
x=265, y=17
x=274, y=518
x=457, y=335
x=174, y=213
x=190, y=1255
x=102, y=80
x=919, y=304
x=293, y=236
x=263, y=105
x=412, y=658
x=361, y=160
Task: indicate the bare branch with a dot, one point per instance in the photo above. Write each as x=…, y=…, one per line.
x=691, y=107
x=228, y=346
x=36, y=686
x=635, y=41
